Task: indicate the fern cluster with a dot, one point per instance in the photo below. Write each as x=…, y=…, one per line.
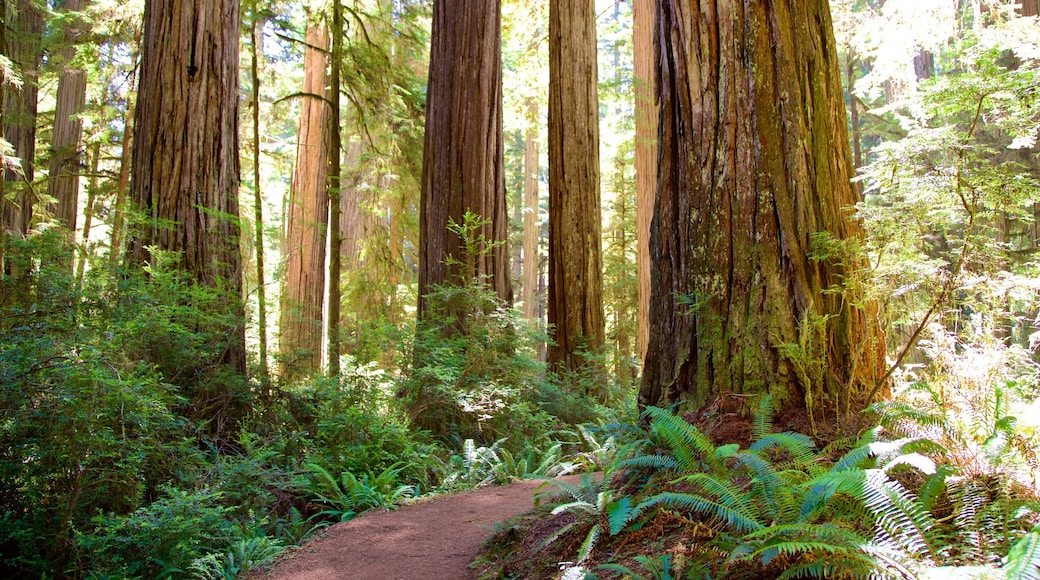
x=781, y=508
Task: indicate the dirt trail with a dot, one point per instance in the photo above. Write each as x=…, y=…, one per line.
x=431, y=540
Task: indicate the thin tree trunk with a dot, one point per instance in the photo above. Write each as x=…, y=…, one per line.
x=463, y=151
x=258, y=202
x=123, y=183
x=532, y=225
x=575, y=296
x=65, y=167
x=89, y=211
x=645, y=153
x=335, y=191
x=303, y=248
x=746, y=183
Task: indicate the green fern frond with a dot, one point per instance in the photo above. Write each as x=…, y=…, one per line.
x=736, y=516
x=1023, y=560
x=691, y=448
x=899, y=516
x=620, y=513
x=766, y=483
x=655, y=462
x=762, y=424
x=934, y=486
x=819, y=492
x=585, y=492
x=831, y=567
x=972, y=502
x=590, y=542
x=801, y=447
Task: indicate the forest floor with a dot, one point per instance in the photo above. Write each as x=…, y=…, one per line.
x=432, y=539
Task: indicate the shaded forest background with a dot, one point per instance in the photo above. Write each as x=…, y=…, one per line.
x=193, y=377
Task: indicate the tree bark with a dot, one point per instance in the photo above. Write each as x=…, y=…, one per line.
x=19, y=119
x=304, y=250
x=185, y=169
x=335, y=189
x=754, y=163
x=257, y=22
x=645, y=153
x=463, y=152
x=532, y=225
x=66, y=160
x=575, y=295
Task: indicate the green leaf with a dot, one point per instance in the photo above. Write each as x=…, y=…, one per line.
x=1023, y=560
x=619, y=514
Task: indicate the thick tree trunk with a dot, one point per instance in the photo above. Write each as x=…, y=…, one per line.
x=303, y=248
x=19, y=119
x=66, y=160
x=532, y=225
x=185, y=161
x=462, y=157
x=754, y=165
x=646, y=154
x=575, y=296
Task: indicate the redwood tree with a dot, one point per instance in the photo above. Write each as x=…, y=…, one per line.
x=463, y=154
x=754, y=172
x=63, y=185
x=575, y=294
x=303, y=248
x=19, y=116
x=184, y=177
x=645, y=153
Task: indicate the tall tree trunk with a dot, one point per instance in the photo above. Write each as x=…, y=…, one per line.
x=532, y=225
x=303, y=248
x=66, y=159
x=575, y=297
x=185, y=169
x=123, y=183
x=463, y=151
x=747, y=182
x=645, y=153
x=19, y=119
x=258, y=202
x=335, y=190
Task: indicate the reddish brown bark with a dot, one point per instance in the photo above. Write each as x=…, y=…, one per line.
x=23, y=48
x=645, y=153
x=532, y=225
x=66, y=158
x=185, y=168
x=463, y=153
x=304, y=248
x=575, y=293
x=754, y=161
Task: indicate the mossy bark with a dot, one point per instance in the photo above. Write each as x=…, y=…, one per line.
x=754, y=162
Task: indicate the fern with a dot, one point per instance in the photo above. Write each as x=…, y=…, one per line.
x=692, y=449
x=1023, y=561
x=902, y=522
x=762, y=423
x=733, y=513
